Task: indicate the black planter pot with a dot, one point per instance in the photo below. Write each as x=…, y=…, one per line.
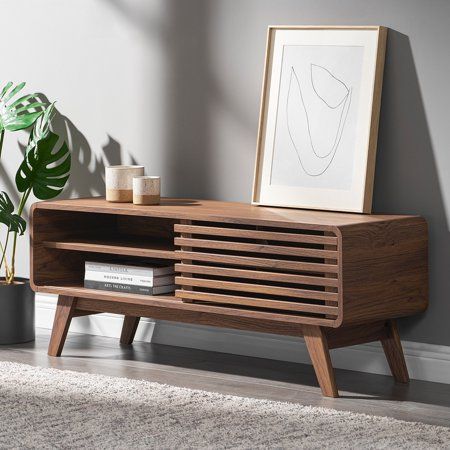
x=16, y=312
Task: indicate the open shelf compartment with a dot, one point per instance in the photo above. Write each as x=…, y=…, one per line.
x=63, y=241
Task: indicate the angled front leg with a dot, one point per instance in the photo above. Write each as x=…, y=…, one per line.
x=65, y=310
x=129, y=328
x=317, y=345
x=393, y=350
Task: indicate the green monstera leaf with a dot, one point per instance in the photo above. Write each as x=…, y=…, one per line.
x=42, y=126
x=44, y=169
x=12, y=221
x=20, y=113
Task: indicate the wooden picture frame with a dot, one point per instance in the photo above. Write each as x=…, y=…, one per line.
x=305, y=100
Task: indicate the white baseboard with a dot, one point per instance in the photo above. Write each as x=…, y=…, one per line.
x=425, y=361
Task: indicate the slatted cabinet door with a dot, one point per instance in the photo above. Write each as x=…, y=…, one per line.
x=285, y=272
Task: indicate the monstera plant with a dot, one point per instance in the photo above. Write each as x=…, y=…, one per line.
x=43, y=172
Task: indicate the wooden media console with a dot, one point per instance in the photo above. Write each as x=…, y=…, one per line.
x=336, y=279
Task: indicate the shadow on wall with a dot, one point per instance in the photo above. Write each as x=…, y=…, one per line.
x=407, y=180
x=87, y=175
x=8, y=184
x=188, y=159
x=183, y=35
x=88, y=169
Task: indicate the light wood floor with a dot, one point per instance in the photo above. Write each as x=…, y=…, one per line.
x=239, y=375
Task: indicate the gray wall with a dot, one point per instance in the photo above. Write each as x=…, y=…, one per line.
x=175, y=85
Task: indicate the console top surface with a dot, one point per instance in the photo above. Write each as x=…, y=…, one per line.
x=216, y=211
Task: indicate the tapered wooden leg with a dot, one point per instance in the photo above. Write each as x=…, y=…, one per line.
x=129, y=328
x=393, y=350
x=65, y=310
x=317, y=345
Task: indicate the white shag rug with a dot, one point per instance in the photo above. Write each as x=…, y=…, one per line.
x=49, y=408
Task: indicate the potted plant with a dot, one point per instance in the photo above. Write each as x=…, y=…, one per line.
x=43, y=172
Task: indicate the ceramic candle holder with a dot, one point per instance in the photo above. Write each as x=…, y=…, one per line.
x=146, y=190
x=119, y=182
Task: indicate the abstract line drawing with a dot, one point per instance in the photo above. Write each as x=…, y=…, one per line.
x=316, y=117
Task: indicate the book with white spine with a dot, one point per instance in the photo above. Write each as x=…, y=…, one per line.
x=129, y=269
x=125, y=278
x=127, y=288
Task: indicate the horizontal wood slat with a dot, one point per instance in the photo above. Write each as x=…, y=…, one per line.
x=257, y=275
x=257, y=262
x=258, y=248
x=258, y=288
x=256, y=234
x=257, y=302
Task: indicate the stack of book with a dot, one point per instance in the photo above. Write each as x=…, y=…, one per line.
x=153, y=279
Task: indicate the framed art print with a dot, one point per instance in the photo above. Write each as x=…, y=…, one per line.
x=318, y=126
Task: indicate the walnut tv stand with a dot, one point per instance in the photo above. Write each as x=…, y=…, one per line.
x=336, y=279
